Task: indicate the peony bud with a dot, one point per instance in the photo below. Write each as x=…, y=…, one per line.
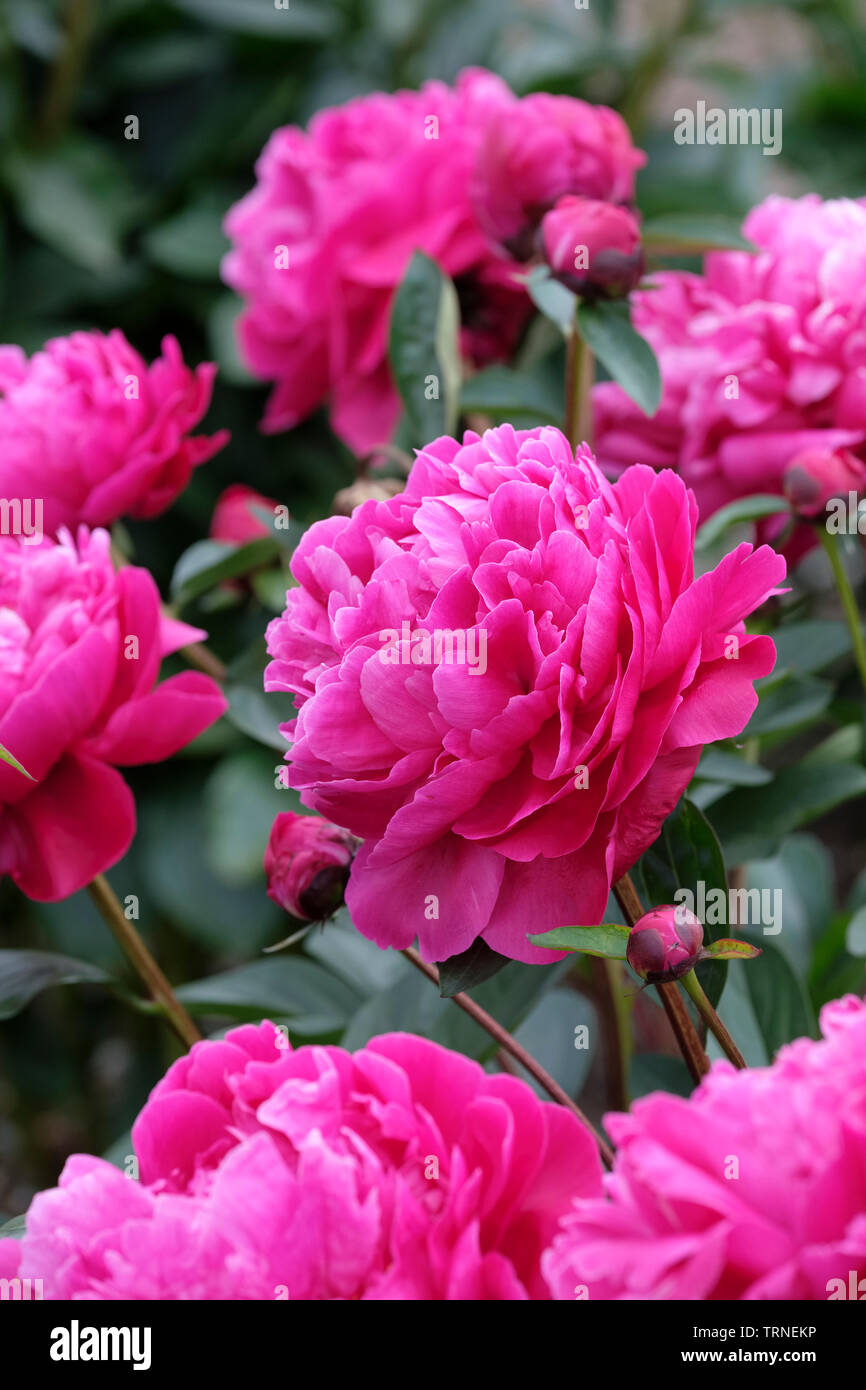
x=307, y=864
x=593, y=248
x=665, y=944
x=816, y=476
x=234, y=520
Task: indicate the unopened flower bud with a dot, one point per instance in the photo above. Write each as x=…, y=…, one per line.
x=816, y=476
x=593, y=247
x=665, y=944
x=307, y=864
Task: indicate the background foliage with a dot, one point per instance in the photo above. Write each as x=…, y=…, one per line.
x=97, y=230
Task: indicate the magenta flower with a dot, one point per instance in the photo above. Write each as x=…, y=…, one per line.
x=505, y=676
x=307, y=865
x=401, y=1172
x=80, y=648
x=237, y=515
x=813, y=478
x=92, y=433
x=325, y=237
x=751, y=1189
x=762, y=357
x=593, y=248
x=541, y=148
x=665, y=944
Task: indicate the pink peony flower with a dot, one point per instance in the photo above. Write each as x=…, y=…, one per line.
x=93, y=433
x=751, y=1189
x=325, y=237
x=665, y=944
x=234, y=519
x=505, y=676
x=763, y=357
x=816, y=476
x=80, y=648
x=307, y=865
x=399, y=1172
x=542, y=147
x=593, y=248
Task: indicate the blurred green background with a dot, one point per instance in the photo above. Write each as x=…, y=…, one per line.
x=97, y=230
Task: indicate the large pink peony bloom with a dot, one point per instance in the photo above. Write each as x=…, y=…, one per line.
x=506, y=771
x=751, y=1189
x=541, y=148
x=91, y=430
x=403, y=1171
x=80, y=648
x=326, y=235
x=763, y=357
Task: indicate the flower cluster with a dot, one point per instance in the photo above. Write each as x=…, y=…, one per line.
x=464, y=174
x=403, y=1171
x=504, y=797
x=763, y=358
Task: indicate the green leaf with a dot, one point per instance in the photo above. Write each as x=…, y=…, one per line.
x=728, y=949
x=752, y=821
x=252, y=709
x=606, y=328
x=855, y=933
x=550, y=1035
x=16, y=1229
x=553, y=299
x=294, y=20
x=222, y=332
x=655, y=1071
x=314, y=1001
x=76, y=198
x=24, y=974
x=683, y=233
x=208, y=563
x=687, y=852
x=809, y=646
x=609, y=939
x=470, y=968
x=192, y=242
x=517, y=397
x=720, y=765
x=789, y=704
x=778, y=1000
x=6, y=757
x=240, y=801
x=423, y=345
x=745, y=509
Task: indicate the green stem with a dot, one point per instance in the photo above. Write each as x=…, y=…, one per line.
x=693, y=988
x=137, y=953
x=579, y=372
x=681, y=1024
x=849, y=602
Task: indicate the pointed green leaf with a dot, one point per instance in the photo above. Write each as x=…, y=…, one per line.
x=609, y=939
x=607, y=329
x=423, y=344
x=728, y=949
x=6, y=757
